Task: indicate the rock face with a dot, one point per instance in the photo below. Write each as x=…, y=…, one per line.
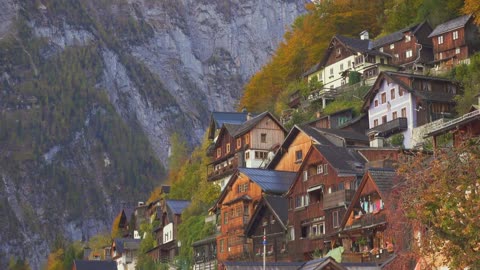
x=163, y=66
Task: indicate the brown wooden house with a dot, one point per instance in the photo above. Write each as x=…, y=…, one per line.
x=269, y=220
x=205, y=253
x=246, y=145
x=237, y=204
x=318, y=198
x=93, y=265
x=333, y=120
x=362, y=228
x=410, y=48
x=454, y=42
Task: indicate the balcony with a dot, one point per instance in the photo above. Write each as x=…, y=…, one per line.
x=368, y=220
x=389, y=128
x=216, y=171
x=337, y=198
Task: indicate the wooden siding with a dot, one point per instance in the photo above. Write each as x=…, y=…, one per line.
x=288, y=161
x=275, y=134
x=333, y=56
x=235, y=244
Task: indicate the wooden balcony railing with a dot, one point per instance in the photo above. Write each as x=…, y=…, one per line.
x=391, y=127
x=216, y=171
x=368, y=220
x=337, y=198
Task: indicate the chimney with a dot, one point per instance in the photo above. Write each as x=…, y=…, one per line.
x=364, y=35
x=377, y=142
x=249, y=116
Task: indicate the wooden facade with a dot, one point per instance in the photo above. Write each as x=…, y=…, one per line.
x=291, y=154
x=317, y=201
x=236, y=208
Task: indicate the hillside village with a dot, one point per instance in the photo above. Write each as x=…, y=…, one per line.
x=318, y=196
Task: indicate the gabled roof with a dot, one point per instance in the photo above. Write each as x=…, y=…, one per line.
x=384, y=180
x=250, y=124
x=434, y=96
x=345, y=134
x=354, y=44
x=450, y=25
x=94, y=265
x=343, y=160
x=259, y=265
x=322, y=263
x=177, y=206
x=270, y=181
x=122, y=244
x=313, y=69
x=277, y=205
x=396, y=36
x=221, y=118
x=353, y=121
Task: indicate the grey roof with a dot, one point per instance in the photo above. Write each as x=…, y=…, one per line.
x=315, y=134
x=383, y=178
x=271, y=181
x=248, y=125
x=206, y=240
x=221, y=118
x=321, y=263
x=450, y=25
x=94, y=265
x=232, y=128
x=313, y=69
x=393, y=37
x=177, y=206
x=259, y=265
x=359, y=45
x=344, y=160
x=279, y=206
x=122, y=244
x=346, y=134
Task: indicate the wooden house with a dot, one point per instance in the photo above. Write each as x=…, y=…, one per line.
x=246, y=145
x=327, y=263
x=319, y=196
x=400, y=102
x=362, y=233
x=217, y=119
x=410, y=48
x=237, y=204
x=454, y=42
x=333, y=120
x=93, y=265
x=124, y=252
x=269, y=224
x=205, y=253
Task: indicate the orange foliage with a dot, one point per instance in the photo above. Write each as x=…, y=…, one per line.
x=472, y=7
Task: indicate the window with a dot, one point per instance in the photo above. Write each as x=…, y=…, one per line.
x=242, y=188
x=409, y=53
x=341, y=67
x=304, y=231
x=381, y=49
x=228, y=148
x=408, y=38
x=396, y=56
x=331, y=72
x=320, y=169
x=440, y=39
x=455, y=35
x=301, y=201
x=335, y=219
x=376, y=103
x=222, y=245
x=375, y=122
x=325, y=168
x=404, y=112
x=247, y=139
x=225, y=218
x=384, y=119
x=291, y=233
x=349, y=64
x=339, y=51
x=392, y=46
x=298, y=155
x=394, y=115
x=400, y=92
x=247, y=155
x=263, y=137
x=239, y=143
x=440, y=56
x=392, y=93
x=219, y=152
x=261, y=154
x=384, y=98
x=305, y=175
x=457, y=51
x=341, y=186
x=317, y=229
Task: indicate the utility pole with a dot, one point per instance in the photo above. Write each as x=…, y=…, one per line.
x=264, y=247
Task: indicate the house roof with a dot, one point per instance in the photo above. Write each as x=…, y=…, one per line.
x=345, y=134
x=122, y=244
x=177, y=206
x=450, y=25
x=393, y=76
x=270, y=181
x=344, y=160
x=259, y=265
x=322, y=263
x=352, y=121
x=313, y=69
x=355, y=44
x=248, y=125
x=94, y=265
x=221, y=118
x=395, y=36
x=454, y=123
x=206, y=240
x=278, y=206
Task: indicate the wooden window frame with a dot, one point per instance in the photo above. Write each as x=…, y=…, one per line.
x=239, y=143
x=394, y=115
x=455, y=35
x=383, y=97
x=392, y=94
x=228, y=148
x=440, y=39
x=404, y=112
x=263, y=137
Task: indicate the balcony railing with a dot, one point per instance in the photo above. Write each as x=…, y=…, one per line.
x=368, y=220
x=389, y=128
x=337, y=198
x=217, y=171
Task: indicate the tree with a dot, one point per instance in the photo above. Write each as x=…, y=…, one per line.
x=441, y=197
x=472, y=7
x=469, y=78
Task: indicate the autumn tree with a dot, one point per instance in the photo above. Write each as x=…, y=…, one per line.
x=440, y=196
x=469, y=78
x=472, y=7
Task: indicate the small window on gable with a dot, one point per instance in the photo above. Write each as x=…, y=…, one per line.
x=305, y=175
x=455, y=35
x=376, y=103
x=392, y=46
x=381, y=49
x=228, y=148
x=408, y=53
x=408, y=38
x=298, y=156
x=263, y=137
x=247, y=138
x=219, y=152
x=384, y=98
x=320, y=169
x=392, y=93
x=336, y=222
x=339, y=51
x=400, y=91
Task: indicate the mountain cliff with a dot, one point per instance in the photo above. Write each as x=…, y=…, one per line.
x=90, y=92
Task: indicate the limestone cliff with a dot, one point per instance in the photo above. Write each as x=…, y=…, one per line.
x=91, y=90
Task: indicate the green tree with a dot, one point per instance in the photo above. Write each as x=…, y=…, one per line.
x=469, y=78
